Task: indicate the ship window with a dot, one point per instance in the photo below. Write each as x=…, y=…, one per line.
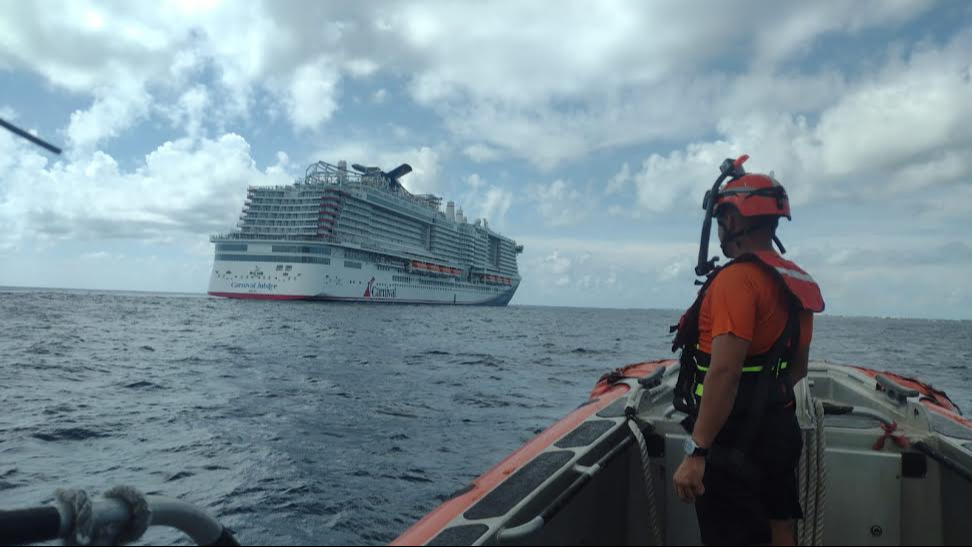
x=280, y=267
x=233, y=247
x=351, y=264
x=278, y=259
x=289, y=268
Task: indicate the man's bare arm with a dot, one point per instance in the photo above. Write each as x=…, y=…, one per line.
x=721, y=382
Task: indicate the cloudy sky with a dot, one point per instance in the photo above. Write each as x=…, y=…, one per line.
x=586, y=131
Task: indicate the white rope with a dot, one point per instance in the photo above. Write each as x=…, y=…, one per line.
x=804, y=480
x=78, y=506
x=635, y=396
x=813, y=481
x=141, y=515
x=818, y=524
x=82, y=530
x=653, y=526
x=810, y=508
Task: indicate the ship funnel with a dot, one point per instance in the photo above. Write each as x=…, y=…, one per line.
x=451, y=211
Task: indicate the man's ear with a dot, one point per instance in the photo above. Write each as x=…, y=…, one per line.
x=730, y=220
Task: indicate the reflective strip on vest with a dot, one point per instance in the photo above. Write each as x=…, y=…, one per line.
x=795, y=274
x=700, y=388
x=745, y=369
x=783, y=366
x=799, y=282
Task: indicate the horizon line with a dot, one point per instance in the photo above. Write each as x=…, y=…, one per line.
x=206, y=295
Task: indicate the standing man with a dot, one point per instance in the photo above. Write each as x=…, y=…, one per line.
x=745, y=343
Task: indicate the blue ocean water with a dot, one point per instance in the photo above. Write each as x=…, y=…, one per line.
x=312, y=423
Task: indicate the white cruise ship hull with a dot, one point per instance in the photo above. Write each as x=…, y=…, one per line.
x=256, y=275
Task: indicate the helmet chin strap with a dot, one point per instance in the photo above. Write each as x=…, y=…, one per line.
x=731, y=237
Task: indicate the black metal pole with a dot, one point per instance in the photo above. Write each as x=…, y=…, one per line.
x=39, y=142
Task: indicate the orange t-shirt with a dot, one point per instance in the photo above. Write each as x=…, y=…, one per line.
x=749, y=302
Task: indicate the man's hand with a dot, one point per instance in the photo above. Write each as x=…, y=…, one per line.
x=688, y=479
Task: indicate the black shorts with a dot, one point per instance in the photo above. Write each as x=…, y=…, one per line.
x=738, y=506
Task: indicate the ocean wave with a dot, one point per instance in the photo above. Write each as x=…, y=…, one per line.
x=69, y=434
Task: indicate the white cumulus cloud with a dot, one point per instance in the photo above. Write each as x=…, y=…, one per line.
x=560, y=204
x=481, y=153
x=115, y=109
x=185, y=186
x=905, y=128
x=485, y=200
x=313, y=95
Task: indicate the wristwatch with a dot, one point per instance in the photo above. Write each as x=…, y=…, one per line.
x=694, y=450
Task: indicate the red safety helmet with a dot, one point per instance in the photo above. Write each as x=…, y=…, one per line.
x=755, y=194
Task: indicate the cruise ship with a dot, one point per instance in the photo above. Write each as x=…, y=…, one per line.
x=357, y=235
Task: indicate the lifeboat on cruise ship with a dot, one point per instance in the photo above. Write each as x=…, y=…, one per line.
x=434, y=268
x=887, y=461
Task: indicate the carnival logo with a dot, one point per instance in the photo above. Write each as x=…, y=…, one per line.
x=379, y=292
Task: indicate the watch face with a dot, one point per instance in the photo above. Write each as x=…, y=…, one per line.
x=690, y=446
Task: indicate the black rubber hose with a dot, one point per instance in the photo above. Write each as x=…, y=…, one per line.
x=27, y=526
x=729, y=168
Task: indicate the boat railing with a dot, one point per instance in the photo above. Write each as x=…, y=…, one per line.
x=121, y=517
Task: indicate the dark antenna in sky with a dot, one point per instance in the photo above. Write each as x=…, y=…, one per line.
x=39, y=142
